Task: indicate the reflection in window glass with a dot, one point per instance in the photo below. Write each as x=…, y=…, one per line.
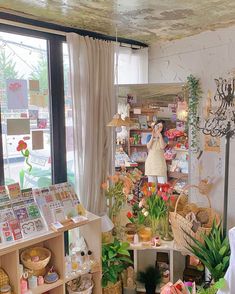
x=68, y=117
x=25, y=110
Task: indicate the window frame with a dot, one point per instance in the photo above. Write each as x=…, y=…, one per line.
x=56, y=101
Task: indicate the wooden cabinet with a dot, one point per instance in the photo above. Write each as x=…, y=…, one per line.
x=10, y=255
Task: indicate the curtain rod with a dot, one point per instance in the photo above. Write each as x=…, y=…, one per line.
x=50, y=28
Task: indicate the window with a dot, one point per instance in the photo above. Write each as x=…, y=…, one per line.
x=25, y=110
x=68, y=117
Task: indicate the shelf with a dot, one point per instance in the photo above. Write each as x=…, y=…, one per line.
x=138, y=145
x=141, y=130
x=180, y=150
x=47, y=287
x=81, y=274
x=144, y=110
x=165, y=246
x=9, y=247
x=177, y=175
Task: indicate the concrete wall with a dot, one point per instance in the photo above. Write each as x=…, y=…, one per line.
x=207, y=56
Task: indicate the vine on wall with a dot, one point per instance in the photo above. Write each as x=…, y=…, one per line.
x=195, y=93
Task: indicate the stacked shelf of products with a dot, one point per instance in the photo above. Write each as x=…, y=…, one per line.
x=177, y=150
x=32, y=252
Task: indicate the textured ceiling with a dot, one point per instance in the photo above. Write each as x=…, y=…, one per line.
x=143, y=20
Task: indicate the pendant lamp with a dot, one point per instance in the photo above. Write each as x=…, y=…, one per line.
x=117, y=121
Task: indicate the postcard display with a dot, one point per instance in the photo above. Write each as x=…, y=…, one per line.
x=28, y=212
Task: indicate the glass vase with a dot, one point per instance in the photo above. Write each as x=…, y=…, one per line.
x=167, y=236
x=155, y=226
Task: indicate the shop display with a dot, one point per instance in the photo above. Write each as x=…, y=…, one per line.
x=20, y=216
x=58, y=203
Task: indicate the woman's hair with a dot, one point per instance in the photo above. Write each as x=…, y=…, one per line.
x=158, y=122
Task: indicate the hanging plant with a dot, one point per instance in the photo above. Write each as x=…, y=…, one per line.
x=195, y=93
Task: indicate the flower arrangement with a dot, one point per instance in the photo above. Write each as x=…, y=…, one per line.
x=153, y=208
x=119, y=189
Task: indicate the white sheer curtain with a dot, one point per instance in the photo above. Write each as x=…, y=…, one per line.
x=92, y=88
x=132, y=66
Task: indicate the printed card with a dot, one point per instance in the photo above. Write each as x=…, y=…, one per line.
x=6, y=234
x=15, y=228
x=17, y=94
x=14, y=191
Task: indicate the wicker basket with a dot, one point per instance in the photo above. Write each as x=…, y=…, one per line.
x=4, y=279
x=181, y=226
x=113, y=289
x=87, y=291
x=44, y=255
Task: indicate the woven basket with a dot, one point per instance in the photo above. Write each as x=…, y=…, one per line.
x=181, y=226
x=113, y=289
x=87, y=291
x=4, y=279
x=44, y=255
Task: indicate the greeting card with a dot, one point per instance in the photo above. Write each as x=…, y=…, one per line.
x=15, y=228
x=17, y=94
x=14, y=191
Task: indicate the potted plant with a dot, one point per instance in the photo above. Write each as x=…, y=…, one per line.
x=150, y=278
x=115, y=258
x=214, y=253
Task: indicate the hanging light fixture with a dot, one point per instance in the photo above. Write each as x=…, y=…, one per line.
x=129, y=122
x=117, y=121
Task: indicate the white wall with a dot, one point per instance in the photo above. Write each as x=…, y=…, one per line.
x=207, y=56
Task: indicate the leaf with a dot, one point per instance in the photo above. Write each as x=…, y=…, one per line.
x=222, y=250
x=111, y=254
x=123, y=252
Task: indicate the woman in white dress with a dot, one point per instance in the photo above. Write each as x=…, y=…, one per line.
x=155, y=164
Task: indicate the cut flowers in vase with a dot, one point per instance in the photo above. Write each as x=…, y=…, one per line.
x=153, y=205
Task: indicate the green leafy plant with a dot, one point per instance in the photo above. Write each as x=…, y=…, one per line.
x=150, y=278
x=195, y=93
x=115, y=258
x=215, y=253
x=213, y=288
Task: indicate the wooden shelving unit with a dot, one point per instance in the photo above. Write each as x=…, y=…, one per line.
x=10, y=255
x=145, y=256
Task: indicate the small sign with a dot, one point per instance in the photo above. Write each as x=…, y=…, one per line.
x=137, y=110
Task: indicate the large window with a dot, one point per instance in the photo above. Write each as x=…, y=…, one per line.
x=32, y=108
x=25, y=110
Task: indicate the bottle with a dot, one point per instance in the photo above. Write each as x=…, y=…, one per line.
x=68, y=266
x=88, y=260
x=74, y=262
x=83, y=261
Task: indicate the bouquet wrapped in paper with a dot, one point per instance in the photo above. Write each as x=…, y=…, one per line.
x=179, y=288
